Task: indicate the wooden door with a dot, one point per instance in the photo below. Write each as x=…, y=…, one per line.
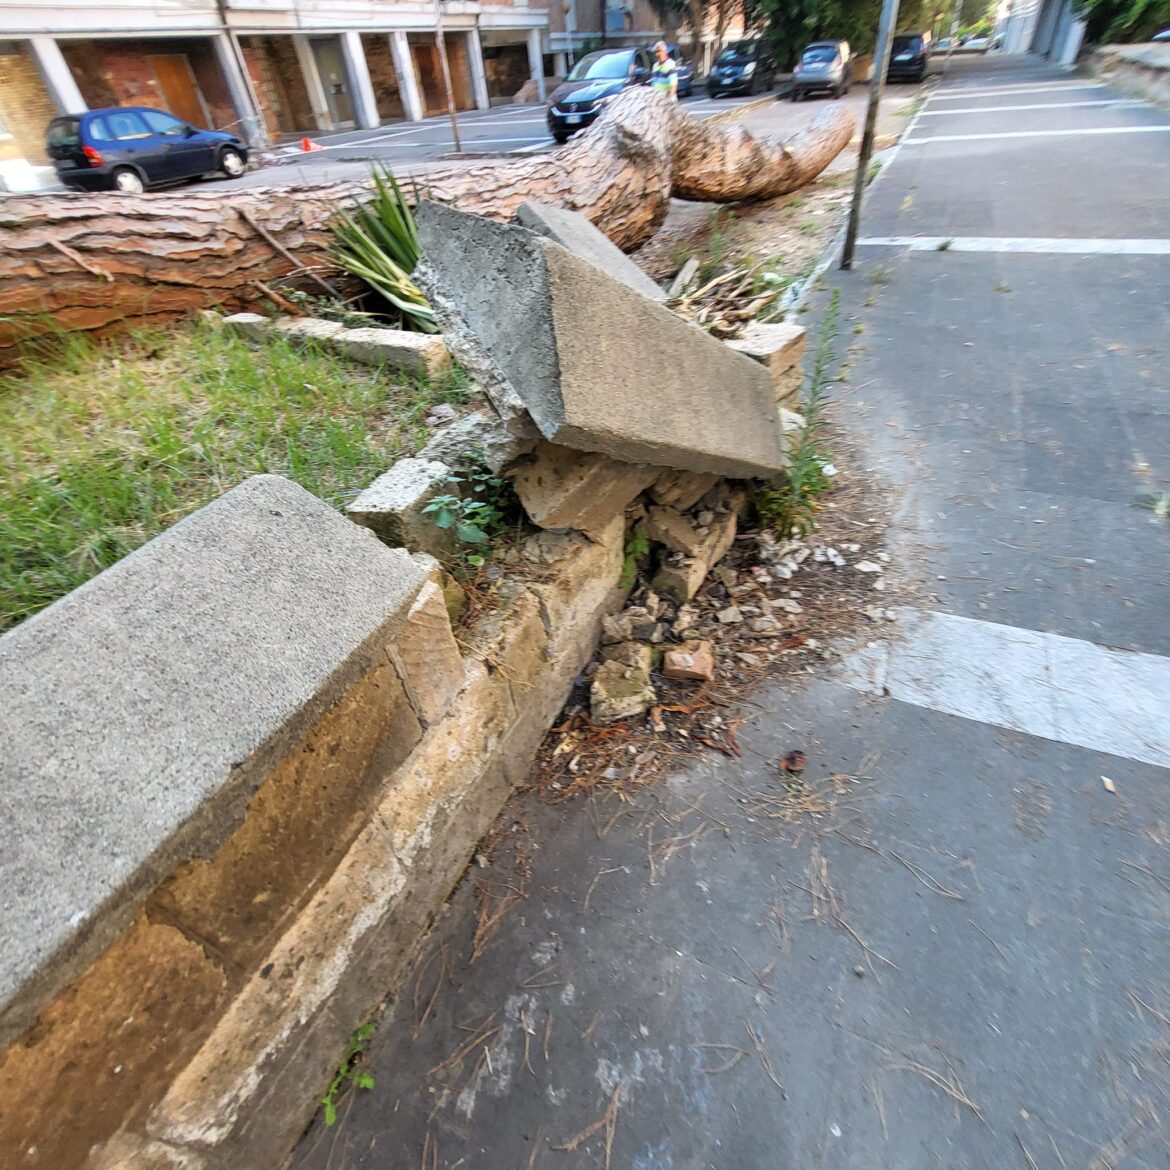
x=460, y=67
x=430, y=78
x=177, y=85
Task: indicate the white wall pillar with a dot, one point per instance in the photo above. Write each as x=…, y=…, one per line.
x=307, y=60
x=365, y=103
x=239, y=85
x=1072, y=42
x=536, y=61
x=57, y=76
x=479, y=88
x=407, y=78
x=561, y=64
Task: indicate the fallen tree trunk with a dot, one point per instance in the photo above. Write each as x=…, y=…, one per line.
x=93, y=263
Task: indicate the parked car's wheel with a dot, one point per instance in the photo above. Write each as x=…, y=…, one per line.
x=795, y=94
x=126, y=180
x=231, y=162
x=561, y=137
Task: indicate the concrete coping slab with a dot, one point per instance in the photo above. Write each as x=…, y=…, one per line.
x=572, y=230
x=598, y=366
x=143, y=710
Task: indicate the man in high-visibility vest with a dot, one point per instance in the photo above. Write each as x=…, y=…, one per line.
x=664, y=75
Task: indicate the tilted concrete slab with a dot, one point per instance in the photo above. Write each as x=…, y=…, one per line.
x=598, y=366
x=572, y=230
x=141, y=712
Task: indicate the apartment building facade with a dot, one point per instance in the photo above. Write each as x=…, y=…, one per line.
x=271, y=70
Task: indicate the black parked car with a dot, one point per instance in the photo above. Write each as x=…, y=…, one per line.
x=592, y=83
x=130, y=148
x=909, y=56
x=743, y=67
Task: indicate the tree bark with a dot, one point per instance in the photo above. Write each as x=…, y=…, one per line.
x=93, y=263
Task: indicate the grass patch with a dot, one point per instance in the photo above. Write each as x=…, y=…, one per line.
x=102, y=448
x=879, y=274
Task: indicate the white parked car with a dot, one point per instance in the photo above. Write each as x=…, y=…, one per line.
x=977, y=45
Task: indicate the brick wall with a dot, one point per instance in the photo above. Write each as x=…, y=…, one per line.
x=25, y=107
x=506, y=68
x=279, y=84
x=383, y=76
x=119, y=73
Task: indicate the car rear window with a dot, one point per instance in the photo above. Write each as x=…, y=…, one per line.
x=65, y=132
x=118, y=126
x=819, y=53
x=907, y=44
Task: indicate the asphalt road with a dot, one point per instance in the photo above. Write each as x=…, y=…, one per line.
x=963, y=963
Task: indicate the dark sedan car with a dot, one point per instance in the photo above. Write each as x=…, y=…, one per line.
x=594, y=82
x=743, y=67
x=910, y=56
x=130, y=148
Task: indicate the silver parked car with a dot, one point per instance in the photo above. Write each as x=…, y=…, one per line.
x=825, y=66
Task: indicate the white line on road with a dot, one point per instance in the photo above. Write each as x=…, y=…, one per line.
x=1045, y=685
x=534, y=147
x=965, y=94
x=1037, y=106
x=1035, y=245
x=1001, y=135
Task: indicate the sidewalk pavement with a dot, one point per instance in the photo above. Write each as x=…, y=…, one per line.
x=963, y=962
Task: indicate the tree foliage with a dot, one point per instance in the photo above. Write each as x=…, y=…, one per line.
x=792, y=24
x=1125, y=21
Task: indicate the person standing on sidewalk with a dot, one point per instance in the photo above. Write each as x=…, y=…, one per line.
x=664, y=75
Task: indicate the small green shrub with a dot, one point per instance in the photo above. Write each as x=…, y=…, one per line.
x=348, y=1073
x=789, y=502
x=637, y=547
x=479, y=513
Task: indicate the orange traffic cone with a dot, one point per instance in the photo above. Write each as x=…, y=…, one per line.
x=308, y=144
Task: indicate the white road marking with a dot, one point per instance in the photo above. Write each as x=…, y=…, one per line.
x=1037, y=106
x=1003, y=134
x=534, y=147
x=962, y=93
x=1045, y=685
x=1036, y=245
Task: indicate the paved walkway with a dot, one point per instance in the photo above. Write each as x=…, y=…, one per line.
x=965, y=966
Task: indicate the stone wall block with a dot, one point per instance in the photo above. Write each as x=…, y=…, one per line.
x=427, y=657
x=393, y=507
x=562, y=488
x=420, y=354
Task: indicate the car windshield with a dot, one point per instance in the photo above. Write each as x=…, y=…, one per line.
x=735, y=54
x=602, y=66
x=907, y=44
x=818, y=53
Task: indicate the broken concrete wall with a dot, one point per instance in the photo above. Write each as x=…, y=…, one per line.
x=245, y=766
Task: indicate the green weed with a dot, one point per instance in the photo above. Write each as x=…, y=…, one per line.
x=479, y=513
x=637, y=548
x=789, y=502
x=348, y=1073
x=879, y=274
x=810, y=227
x=1003, y=287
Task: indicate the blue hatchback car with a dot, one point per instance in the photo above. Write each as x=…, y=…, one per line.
x=130, y=148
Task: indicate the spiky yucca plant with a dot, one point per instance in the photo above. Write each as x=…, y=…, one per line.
x=378, y=243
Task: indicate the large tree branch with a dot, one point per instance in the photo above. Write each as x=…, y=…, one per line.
x=95, y=262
